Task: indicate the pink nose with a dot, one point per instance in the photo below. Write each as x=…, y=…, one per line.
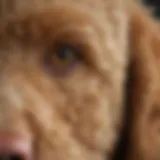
x=15, y=148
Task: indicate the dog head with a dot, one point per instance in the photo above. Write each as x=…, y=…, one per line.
x=63, y=68
x=62, y=76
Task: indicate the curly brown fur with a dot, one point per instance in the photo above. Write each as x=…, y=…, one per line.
x=145, y=88
x=72, y=116
x=79, y=114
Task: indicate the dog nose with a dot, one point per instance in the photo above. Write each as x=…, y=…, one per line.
x=15, y=148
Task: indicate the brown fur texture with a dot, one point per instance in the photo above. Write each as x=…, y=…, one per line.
x=78, y=113
x=145, y=88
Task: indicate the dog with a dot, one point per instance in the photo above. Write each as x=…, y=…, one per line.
x=64, y=70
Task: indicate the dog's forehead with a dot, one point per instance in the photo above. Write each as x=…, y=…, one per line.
x=47, y=25
x=22, y=6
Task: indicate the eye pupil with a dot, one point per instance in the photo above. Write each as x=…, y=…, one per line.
x=62, y=58
x=65, y=52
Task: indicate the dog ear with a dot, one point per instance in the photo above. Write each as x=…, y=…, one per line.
x=143, y=94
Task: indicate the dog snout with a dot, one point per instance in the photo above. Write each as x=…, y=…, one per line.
x=13, y=147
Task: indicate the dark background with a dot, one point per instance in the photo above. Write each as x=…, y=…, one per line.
x=156, y=4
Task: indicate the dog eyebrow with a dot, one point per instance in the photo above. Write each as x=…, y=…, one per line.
x=39, y=25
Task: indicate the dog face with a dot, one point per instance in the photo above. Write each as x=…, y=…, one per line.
x=62, y=72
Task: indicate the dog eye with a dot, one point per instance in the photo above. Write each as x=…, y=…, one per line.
x=62, y=58
x=65, y=54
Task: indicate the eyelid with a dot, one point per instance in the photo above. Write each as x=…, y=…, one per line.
x=80, y=38
x=75, y=36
